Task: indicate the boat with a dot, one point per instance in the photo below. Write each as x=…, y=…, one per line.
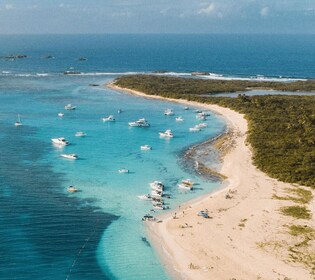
x=140, y=123
x=70, y=156
x=198, y=111
x=168, y=112
x=18, y=122
x=123, y=170
x=159, y=207
x=109, y=119
x=145, y=197
x=186, y=108
x=61, y=114
x=70, y=107
x=185, y=187
x=61, y=141
x=167, y=134
x=155, y=193
x=119, y=111
x=194, y=129
x=179, y=119
x=202, y=125
x=145, y=148
x=201, y=116
x=72, y=189
x=80, y=134
x=188, y=182
x=148, y=217
x=157, y=185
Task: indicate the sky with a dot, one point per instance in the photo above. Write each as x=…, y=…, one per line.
x=157, y=16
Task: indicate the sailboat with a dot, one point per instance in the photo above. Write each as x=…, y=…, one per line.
x=18, y=122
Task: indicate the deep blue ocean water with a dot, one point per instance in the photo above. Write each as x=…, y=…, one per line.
x=47, y=233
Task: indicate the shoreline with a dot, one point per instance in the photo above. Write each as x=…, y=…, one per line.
x=228, y=245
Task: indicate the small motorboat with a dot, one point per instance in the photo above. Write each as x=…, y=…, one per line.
x=61, y=114
x=72, y=189
x=186, y=108
x=70, y=156
x=159, y=207
x=119, y=111
x=80, y=134
x=123, y=170
x=145, y=148
x=18, y=122
x=179, y=119
x=70, y=107
x=157, y=185
x=188, y=182
x=202, y=125
x=185, y=187
x=109, y=119
x=155, y=193
x=140, y=123
x=167, y=134
x=201, y=116
x=61, y=141
x=168, y=112
x=194, y=129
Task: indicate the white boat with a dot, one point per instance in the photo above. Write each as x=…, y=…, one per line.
x=80, y=134
x=109, y=119
x=18, y=122
x=186, y=108
x=70, y=107
x=202, y=125
x=140, y=123
x=168, y=112
x=159, y=207
x=61, y=141
x=145, y=197
x=201, y=116
x=70, y=156
x=188, y=182
x=167, y=134
x=119, y=111
x=198, y=111
x=123, y=170
x=179, y=119
x=72, y=189
x=61, y=114
x=157, y=185
x=145, y=148
x=185, y=187
x=194, y=129
x=156, y=193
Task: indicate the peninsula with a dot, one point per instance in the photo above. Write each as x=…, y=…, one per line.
x=261, y=223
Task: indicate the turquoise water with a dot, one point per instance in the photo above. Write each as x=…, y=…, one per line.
x=97, y=233
x=107, y=148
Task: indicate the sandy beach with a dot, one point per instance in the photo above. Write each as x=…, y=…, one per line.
x=246, y=237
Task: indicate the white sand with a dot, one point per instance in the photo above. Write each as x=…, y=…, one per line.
x=227, y=245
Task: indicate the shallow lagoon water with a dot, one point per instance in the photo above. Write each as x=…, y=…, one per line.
x=121, y=247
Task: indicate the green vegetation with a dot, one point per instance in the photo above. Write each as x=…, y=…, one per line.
x=281, y=128
x=301, y=252
x=299, y=212
x=297, y=230
x=157, y=85
x=301, y=195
